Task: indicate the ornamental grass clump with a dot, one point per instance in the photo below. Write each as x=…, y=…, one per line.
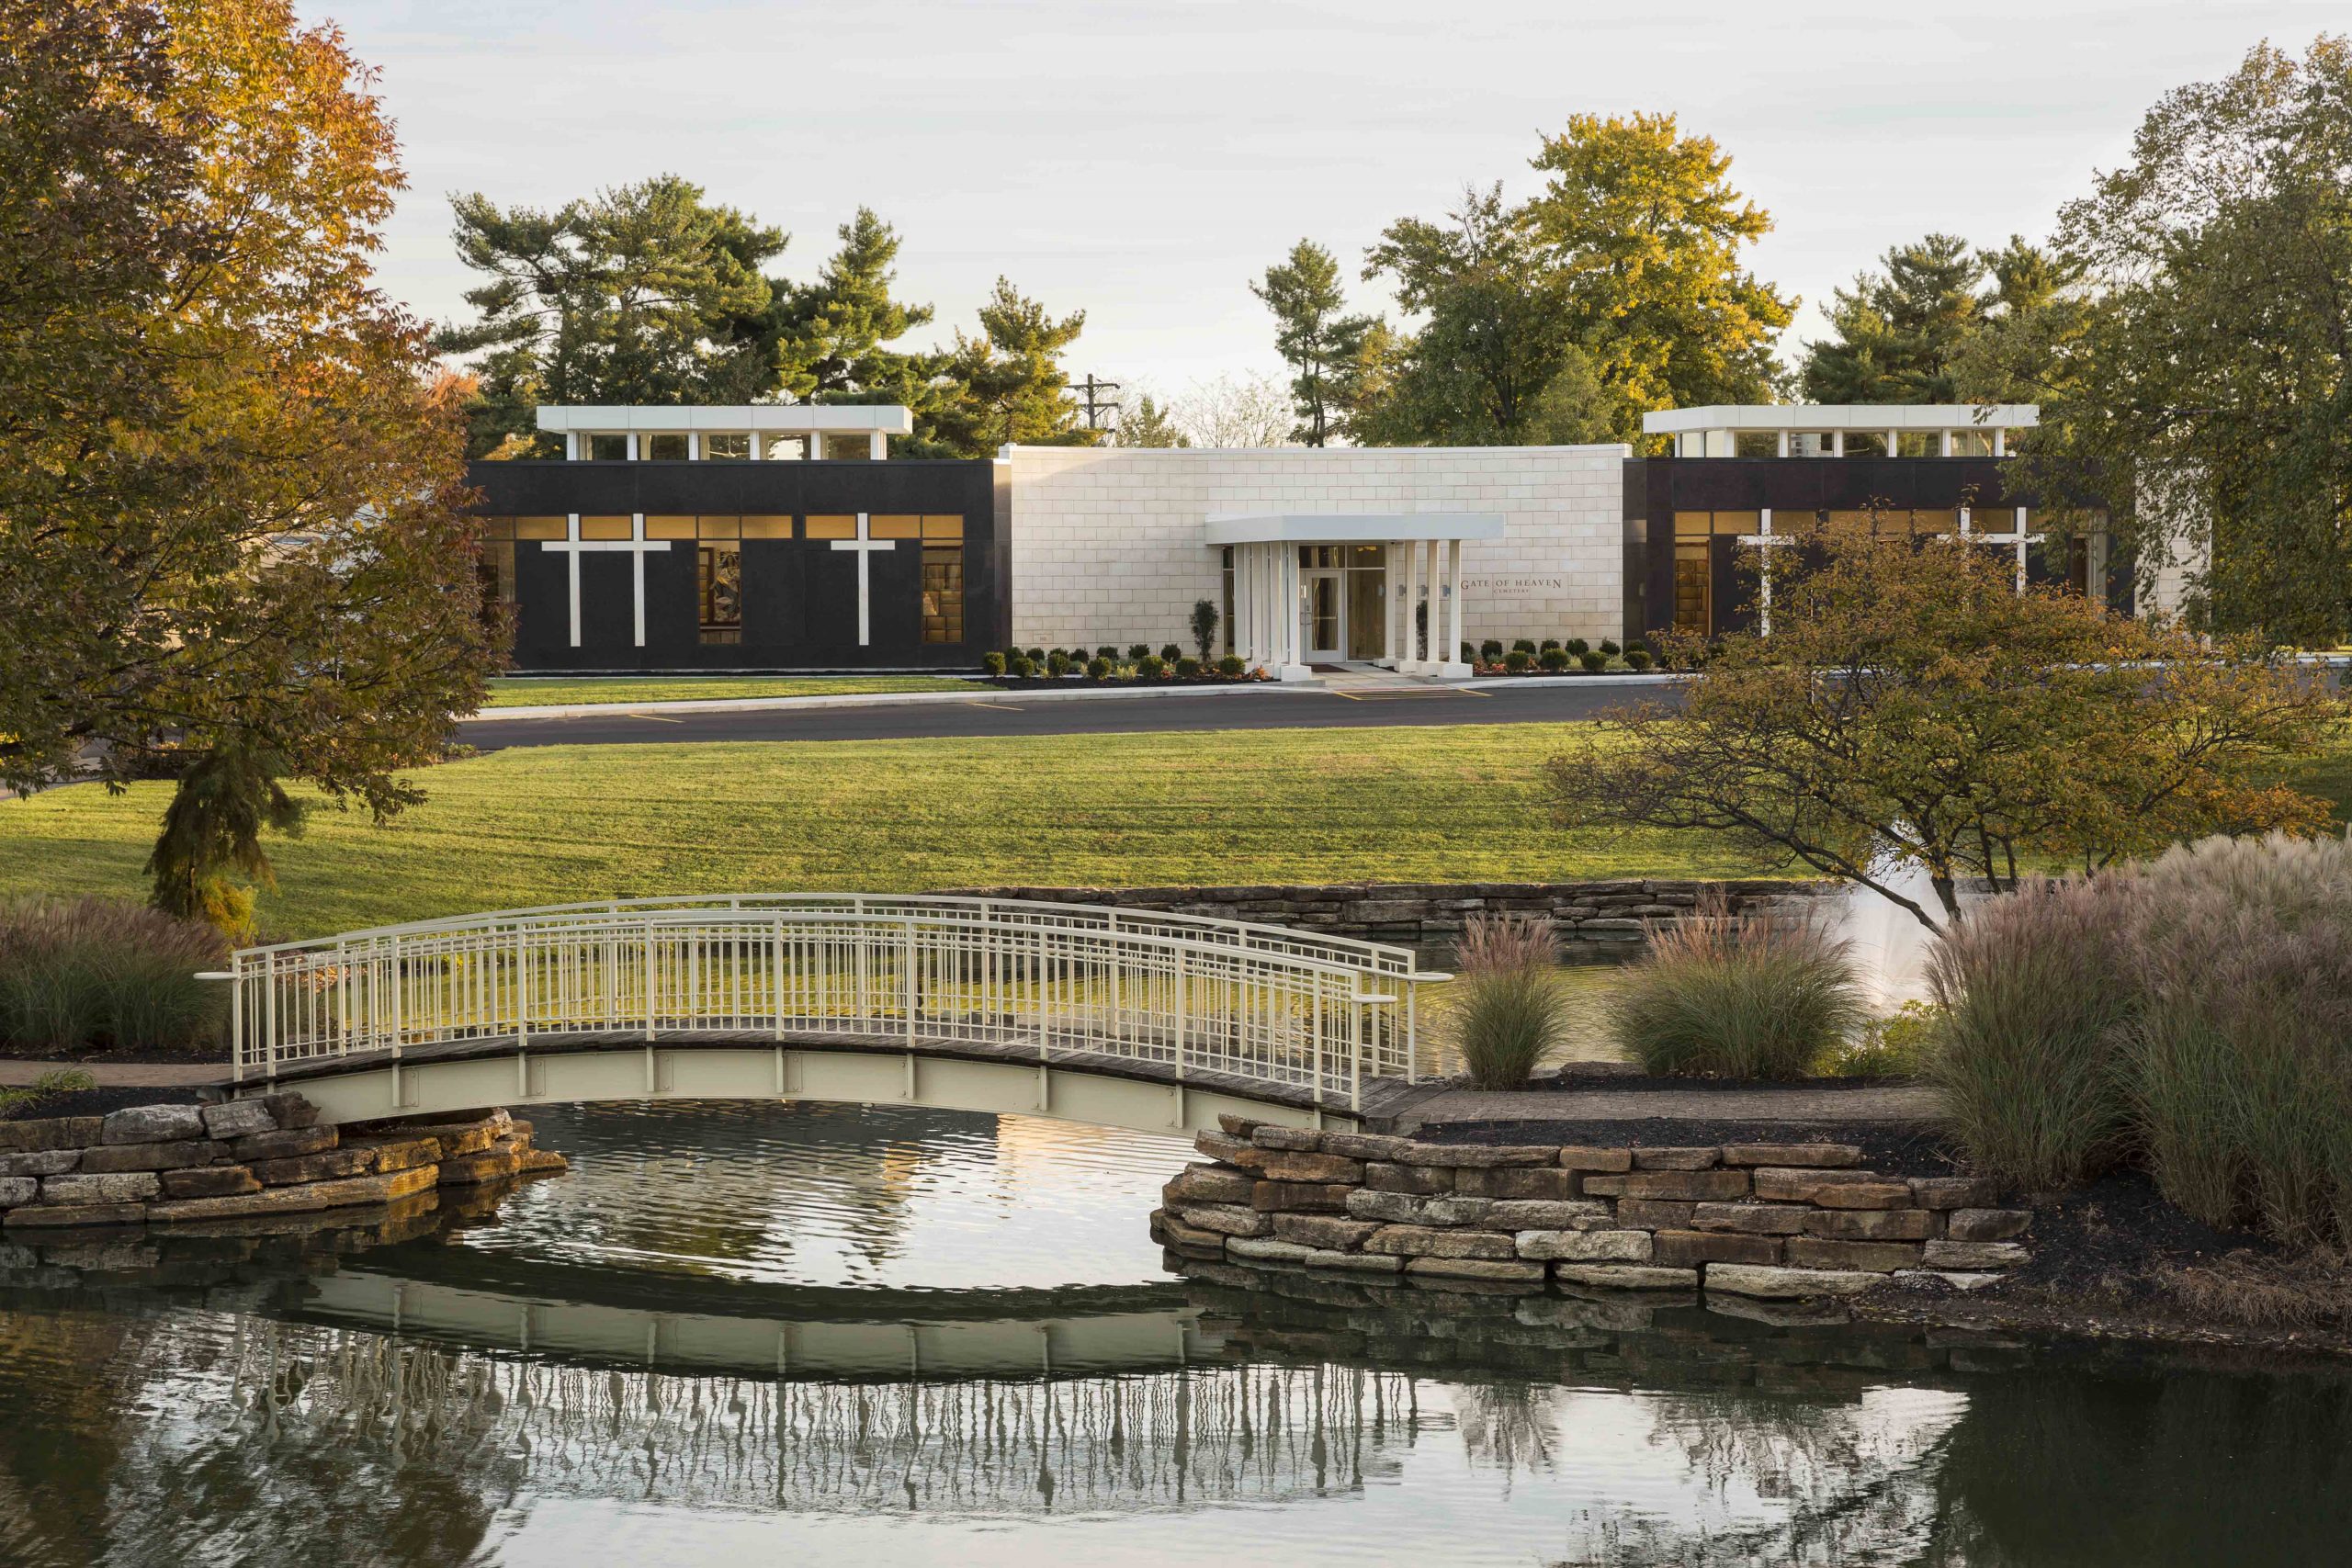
x=1506, y=1009
x=84, y=974
x=1769, y=994
x=2032, y=1005
x=2191, y=1017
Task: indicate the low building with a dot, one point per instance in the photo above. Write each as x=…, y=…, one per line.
x=771, y=537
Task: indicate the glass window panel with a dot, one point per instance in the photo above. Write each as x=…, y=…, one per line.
x=831, y=527
x=1693, y=587
x=606, y=528
x=669, y=528
x=724, y=447
x=1738, y=521
x=541, y=528
x=1920, y=444
x=1972, y=442
x=1811, y=444
x=893, y=527
x=719, y=527
x=498, y=527
x=1865, y=444
x=767, y=527
x=720, y=593
x=1367, y=558
x=1924, y=522
x=940, y=527
x=942, y=592
x=1756, y=443
x=1795, y=520
x=1690, y=525
x=1848, y=524
x=662, y=446
x=605, y=448
x=495, y=571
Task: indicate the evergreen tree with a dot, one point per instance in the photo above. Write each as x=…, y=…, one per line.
x=1147, y=422
x=643, y=294
x=1900, y=332
x=1317, y=339
x=831, y=334
x=1007, y=384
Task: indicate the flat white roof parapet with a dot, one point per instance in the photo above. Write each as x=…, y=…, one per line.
x=891, y=419
x=1350, y=527
x=1843, y=416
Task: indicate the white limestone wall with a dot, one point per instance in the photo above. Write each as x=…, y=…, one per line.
x=1106, y=542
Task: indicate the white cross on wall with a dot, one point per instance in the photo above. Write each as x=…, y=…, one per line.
x=636, y=544
x=2016, y=535
x=865, y=546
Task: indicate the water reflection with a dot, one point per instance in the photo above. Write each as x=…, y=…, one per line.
x=425, y=1391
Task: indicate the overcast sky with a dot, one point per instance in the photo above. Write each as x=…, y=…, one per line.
x=1143, y=160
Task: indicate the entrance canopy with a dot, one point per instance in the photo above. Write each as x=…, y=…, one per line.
x=1277, y=611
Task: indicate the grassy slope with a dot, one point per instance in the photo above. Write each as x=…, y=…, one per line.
x=562, y=823
x=531, y=691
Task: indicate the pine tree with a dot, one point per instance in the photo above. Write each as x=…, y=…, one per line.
x=1007, y=384
x=1901, y=332
x=1317, y=339
x=831, y=334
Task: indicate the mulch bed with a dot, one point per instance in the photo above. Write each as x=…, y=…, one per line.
x=1087, y=684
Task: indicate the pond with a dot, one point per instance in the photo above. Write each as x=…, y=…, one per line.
x=827, y=1335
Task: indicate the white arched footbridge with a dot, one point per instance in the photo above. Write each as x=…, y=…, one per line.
x=1121, y=1017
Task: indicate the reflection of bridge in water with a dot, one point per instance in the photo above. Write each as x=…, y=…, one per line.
x=942, y=1445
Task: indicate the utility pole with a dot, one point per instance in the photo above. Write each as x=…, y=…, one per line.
x=1097, y=405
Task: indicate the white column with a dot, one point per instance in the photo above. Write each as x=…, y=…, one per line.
x=1287, y=646
x=693, y=446
x=1433, y=655
x=1409, y=660
x=1388, y=597
x=632, y=445
x=2000, y=442
x=572, y=445
x=754, y=447
x=875, y=446
x=1238, y=632
x=1454, y=614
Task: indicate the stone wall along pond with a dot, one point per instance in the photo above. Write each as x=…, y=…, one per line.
x=1792, y=1221
x=1427, y=913
x=162, y=1164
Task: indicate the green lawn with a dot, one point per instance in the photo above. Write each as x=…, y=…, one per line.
x=532, y=691
x=555, y=824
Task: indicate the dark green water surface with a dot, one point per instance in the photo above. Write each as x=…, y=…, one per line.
x=754, y=1333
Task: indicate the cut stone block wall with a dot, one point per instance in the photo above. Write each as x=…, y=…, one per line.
x=1107, y=543
x=1790, y=1221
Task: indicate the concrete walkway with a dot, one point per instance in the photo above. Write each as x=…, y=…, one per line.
x=1893, y=1103
x=119, y=1075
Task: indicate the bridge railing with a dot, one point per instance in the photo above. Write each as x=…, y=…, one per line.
x=1192, y=993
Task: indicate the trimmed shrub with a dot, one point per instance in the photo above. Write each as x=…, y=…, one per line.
x=1057, y=664
x=1637, y=660
x=1108, y=652
x=1769, y=996
x=1491, y=650
x=1098, y=669
x=1505, y=1010
x=1577, y=646
x=1233, y=666
x=1555, y=659
x=1610, y=649
x=1525, y=645
x=1549, y=645
x=1187, y=667
x=1517, y=661
x=992, y=664
x=1024, y=668
x=1151, y=667
x=1170, y=653
x=1593, y=660
x=93, y=973
x=1037, y=655
x=1138, y=650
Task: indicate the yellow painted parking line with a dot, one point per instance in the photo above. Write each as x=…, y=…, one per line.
x=657, y=717
x=1467, y=692
x=1335, y=692
x=1001, y=707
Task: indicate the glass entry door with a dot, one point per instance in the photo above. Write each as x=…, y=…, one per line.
x=1323, y=616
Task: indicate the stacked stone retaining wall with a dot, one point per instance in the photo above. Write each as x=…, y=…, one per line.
x=1793, y=1221
x=1428, y=913
x=162, y=1164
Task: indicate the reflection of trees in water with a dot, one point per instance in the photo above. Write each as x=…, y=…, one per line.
x=1510, y=1426
x=975, y=1447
